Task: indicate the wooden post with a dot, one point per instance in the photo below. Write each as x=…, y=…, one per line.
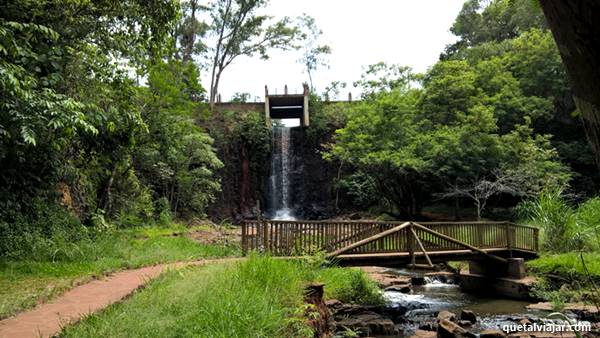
x=244, y=238
x=414, y=233
x=480, y=232
x=265, y=236
x=411, y=246
x=264, y=224
x=381, y=240
x=509, y=239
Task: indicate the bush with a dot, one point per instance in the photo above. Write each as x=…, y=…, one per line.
x=557, y=219
x=588, y=218
x=40, y=230
x=350, y=286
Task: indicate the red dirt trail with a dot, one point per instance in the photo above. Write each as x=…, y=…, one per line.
x=47, y=319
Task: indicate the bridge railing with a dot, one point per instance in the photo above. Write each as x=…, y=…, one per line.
x=284, y=238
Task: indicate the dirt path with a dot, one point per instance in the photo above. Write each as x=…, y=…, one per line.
x=47, y=319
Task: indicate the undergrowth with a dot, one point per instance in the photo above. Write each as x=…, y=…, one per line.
x=259, y=297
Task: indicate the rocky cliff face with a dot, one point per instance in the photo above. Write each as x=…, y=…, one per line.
x=311, y=178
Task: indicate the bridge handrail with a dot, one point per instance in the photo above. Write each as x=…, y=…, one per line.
x=305, y=237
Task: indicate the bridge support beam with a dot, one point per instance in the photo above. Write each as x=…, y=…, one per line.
x=515, y=268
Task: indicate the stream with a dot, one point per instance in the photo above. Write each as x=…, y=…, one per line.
x=425, y=301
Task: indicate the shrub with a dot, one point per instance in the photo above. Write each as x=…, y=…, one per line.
x=588, y=218
x=556, y=218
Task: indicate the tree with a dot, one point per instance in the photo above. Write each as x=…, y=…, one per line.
x=519, y=68
x=381, y=77
x=480, y=190
x=239, y=97
x=577, y=37
x=239, y=31
x=190, y=30
x=175, y=157
x=314, y=54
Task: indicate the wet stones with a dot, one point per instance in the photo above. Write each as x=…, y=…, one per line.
x=492, y=333
x=385, y=279
x=448, y=329
x=469, y=316
x=404, y=288
x=418, y=280
x=363, y=319
x=446, y=315
x=424, y=334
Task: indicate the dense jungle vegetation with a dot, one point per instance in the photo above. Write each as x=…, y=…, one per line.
x=110, y=147
x=105, y=122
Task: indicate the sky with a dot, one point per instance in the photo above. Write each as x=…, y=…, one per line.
x=407, y=32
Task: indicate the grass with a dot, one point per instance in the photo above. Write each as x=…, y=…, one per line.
x=41, y=276
x=259, y=297
x=562, y=278
x=568, y=265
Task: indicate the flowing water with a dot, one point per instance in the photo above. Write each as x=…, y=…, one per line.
x=425, y=301
x=279, y=183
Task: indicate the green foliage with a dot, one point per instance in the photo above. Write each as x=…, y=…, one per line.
x=495, y=109
x=566, y=278
x=568, y=265
x=79, y=123
x=259, y=297
x=350, y=286
x=241, y=31
x=588, y=218
x=414, y=143
x=499, y=20
x=42, y=265
x=361, y=187
x=314, y=54
x=564, y=228
x=176, y=157
x=509, y=41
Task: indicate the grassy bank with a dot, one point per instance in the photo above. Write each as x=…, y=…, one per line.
x=40, y=275
x=564, y=278
x=260, y=297
x=568, y=265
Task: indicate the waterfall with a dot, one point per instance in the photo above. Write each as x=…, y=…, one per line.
x=279, y=185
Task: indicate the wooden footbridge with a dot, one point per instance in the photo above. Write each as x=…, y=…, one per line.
x=392, y=243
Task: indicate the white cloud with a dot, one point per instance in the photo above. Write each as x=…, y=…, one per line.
x=411, y=33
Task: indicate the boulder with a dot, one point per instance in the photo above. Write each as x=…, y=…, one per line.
x=384, y=278
x=552, y=335
x=464, y=323
x=525, y=321
x=469, y=316
x=424, y=334
x=355, y=216
x=448, y=329
x=404, y=288
x=442, y=315
x=418, y=280
x=492, y=333
x=367, y=323
x=428, y=326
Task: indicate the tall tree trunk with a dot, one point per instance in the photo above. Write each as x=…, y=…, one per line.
x=191, y=38
x=574, y=24
x=106, y=204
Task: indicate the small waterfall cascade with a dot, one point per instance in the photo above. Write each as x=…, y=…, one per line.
x=279, y=183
